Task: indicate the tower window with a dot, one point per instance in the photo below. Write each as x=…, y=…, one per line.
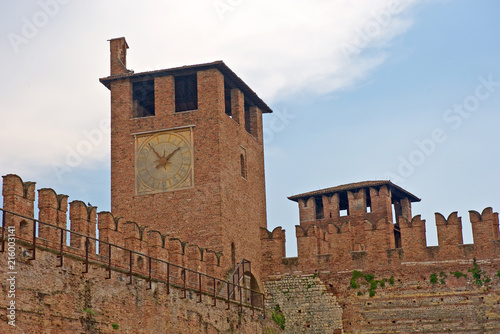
x=343, y=204
x=186, y=93
x=248, y=126
x=318, y=201
x=143, y=95
x=368, y=201
x=227, y=100
x=243, y=167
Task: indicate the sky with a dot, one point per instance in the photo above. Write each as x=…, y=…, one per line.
x=406, y=90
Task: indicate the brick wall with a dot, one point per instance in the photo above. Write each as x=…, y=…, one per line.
x=77, y=297
x=49, y=299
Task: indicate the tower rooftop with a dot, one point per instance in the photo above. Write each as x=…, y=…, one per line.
x=229, y=75
x=397, y=191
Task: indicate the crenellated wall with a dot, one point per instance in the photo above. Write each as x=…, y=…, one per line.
x=19, y=197
x=78, y=291
x=371, y=244
x=382, y=274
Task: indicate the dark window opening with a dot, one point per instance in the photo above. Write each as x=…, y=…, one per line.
x=397, y=236
x=343, y=204
x=243, y=167
x=319, y=207
x=143, y=95
x=396, y=213
x=248, y=126
x=368, y=201
x=186, y=93
x=227, y=100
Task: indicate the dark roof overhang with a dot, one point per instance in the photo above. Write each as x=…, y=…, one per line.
x=395, y=189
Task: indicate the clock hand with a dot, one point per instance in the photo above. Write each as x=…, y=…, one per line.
x=168, y=156
x=159, y=156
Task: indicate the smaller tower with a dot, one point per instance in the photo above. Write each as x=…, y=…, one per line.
x=356, y=203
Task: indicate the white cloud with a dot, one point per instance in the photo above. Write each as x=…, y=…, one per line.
x=279, y=48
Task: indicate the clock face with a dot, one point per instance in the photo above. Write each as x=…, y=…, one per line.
x=164, y=161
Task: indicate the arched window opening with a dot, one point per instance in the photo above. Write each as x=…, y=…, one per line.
x=243, y=167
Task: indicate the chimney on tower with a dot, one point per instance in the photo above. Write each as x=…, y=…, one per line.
x=118, y=52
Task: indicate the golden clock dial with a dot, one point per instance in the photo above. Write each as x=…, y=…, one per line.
x=164, y=162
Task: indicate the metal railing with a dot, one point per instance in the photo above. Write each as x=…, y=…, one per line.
x=172, y=275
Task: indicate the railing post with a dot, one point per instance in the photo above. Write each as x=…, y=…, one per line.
x=149, y=278
x=215, y=293
x=130, y=268
x=199, y=286
x=86, y=255
x=61, y=249
x=3, y=232
x=240, y=308
x=109, y=261
x=34, y=241
x=184, y=274
x=168, y=278
x=228, y=306
x=251, y=302
x=263, y=306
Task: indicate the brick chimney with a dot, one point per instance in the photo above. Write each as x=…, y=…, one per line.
x=118, y=53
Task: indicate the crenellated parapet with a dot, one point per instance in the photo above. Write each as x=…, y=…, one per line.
x=372, y=244
x=53, y=210
x=126, y=240
x=485, y=233
x=273, y=249
x=369, y=225
x=372, y=200
x=413, y=239
x=83, y=220
x=19, y=197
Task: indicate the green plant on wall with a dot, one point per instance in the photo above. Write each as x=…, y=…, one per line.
x=458, y=274
x=278, y=317
x=89, y=311
x=355, y=275
x=115, y=326
x=479, y=276
x=370, y=281
x=443, y=277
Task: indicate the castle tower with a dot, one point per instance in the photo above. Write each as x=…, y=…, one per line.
x=187, y=154
x=355, y=204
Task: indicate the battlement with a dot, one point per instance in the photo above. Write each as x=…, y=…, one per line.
x=364, y=238
x=129, y=238
x=372, y=200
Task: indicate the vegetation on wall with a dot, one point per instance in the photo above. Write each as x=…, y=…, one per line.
x=278, y=317
x=478, y=275
x=369, y=281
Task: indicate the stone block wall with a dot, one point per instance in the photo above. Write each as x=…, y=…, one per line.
x=306, y=304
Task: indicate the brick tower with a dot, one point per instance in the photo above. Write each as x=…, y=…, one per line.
x=187, y=154
x=355, y=204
